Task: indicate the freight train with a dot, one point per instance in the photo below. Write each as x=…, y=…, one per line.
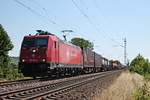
x=44, y=54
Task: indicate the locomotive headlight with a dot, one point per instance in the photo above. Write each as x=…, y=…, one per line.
x=23, y=60
x=43, y=60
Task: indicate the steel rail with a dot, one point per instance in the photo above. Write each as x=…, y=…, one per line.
x=33, y=91
x=52, y=93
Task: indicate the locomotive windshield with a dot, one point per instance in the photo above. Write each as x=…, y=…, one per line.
x=35, y=42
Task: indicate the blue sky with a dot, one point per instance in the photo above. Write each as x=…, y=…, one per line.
x=106, y=23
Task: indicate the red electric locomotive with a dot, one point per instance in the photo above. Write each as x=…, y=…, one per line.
x=44, y=53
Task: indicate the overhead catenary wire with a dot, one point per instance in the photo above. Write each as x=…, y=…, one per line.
x=40, y=15
x=46, y=12
x=85, y=15
x=36, y=13
x=53, y=22
x=98, y=8
x=88, y=18
x=90, y=21
x=41, y=6
x=106, y=36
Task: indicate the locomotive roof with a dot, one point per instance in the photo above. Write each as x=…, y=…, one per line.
x=54, y=37
x=31, y=36
x=68, y=43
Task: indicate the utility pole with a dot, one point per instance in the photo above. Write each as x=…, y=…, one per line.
x=124, y=46
x=125, y=51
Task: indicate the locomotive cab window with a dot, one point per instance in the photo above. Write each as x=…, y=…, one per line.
x=35, y=42
x=41, y=42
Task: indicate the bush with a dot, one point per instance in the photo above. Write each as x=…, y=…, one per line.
x=147, y=76
x=13, y=72
x=142, y=93
x=141, y=66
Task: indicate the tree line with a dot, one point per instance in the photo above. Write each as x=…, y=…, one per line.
x=141, y=66
x=8, y=70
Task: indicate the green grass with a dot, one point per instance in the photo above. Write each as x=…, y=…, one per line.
x=147, y=76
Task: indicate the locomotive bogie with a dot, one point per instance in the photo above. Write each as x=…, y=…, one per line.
x=34, y=69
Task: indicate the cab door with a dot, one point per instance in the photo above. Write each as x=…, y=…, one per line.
x=56, y=52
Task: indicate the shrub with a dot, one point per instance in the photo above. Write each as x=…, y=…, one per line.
x=141, y=66
x=142, y=93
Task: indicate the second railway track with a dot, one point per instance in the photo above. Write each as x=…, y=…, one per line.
x=11, y=85
x=51, y=90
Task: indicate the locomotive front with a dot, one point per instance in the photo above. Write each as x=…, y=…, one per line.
x=33, y=55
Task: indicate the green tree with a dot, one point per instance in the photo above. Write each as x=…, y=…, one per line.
x=82, y=43
x=137, y=64
x=140, y=65
x=5, y=46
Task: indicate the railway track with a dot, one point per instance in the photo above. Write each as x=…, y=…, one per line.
x=51, y=90
x=11, y=85
x=19, y=84
x=59, y=92
x=6, y=83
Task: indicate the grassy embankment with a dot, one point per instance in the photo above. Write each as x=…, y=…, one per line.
x=123, y=88
x=131, y=85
